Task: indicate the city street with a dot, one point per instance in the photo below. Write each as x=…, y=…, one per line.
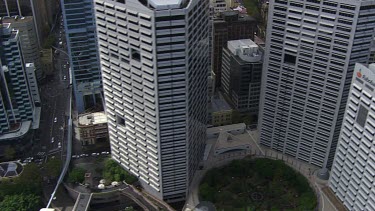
x=55, y=101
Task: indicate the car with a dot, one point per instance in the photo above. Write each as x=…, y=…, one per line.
x=64, y=66
x=59, y=145
x=64, y=77
x=94, y=154
x=55, y=120
x=52, y=140
x=75, y=156
x=103, y=153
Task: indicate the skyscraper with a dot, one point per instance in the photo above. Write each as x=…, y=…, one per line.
x=28, y=39
x=79, y=22
x=353, y=169
x=154, y=61
x=16, y=104
x=312, y=47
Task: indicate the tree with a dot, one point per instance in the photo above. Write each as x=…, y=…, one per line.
x=20, y=202
x=53, y=167
x=9, y=153
x=129, y=209
x=114, y=172
x=77, y=175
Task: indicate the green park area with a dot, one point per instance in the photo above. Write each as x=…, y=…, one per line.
x=257, y=184
x=252, y=7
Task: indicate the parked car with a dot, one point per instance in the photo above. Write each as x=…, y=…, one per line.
x=52, y=140
x=55, y=120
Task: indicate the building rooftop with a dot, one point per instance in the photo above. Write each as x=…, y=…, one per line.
x=22, y=130
x=213, y=130
x=17, y=19
x=165, y=4
x=92, y=118
x=219, y=104
x=245, y=49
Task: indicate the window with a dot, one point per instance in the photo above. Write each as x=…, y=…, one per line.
x=121, y=1
x=362, y=115
x=290, y=59
x=120, y=120
x=136, y=55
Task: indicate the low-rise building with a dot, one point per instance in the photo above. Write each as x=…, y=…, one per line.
x=220, y=113
x=92, y=128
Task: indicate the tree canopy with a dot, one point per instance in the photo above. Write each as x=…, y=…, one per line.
x=53, y=167
x=20, y=202
x=114, y=172
x=76, y=175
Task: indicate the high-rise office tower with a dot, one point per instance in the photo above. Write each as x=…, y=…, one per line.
x=79, y=22
x=241, y=75
x=16, y=103
x=312, y=47
x=43, y=12
x=230, y=25
x=154, y=61
x=353, y=169
x=29, y=41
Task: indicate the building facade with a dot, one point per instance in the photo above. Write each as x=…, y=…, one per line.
x=79, y=23
x=155, y=63
x=353, y=169
x=230, y=25
x=92, y=128
x=311, y=49
x=43, y=12
x=16, y=105
x=241, y=75
x=29, y=41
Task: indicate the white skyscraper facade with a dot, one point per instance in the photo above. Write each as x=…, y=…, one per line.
x=353, y=169
x=154, y=60
x=311, y=49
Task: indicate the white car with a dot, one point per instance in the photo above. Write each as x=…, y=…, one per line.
x=55, y=120
x=64, y=77
x=64, y=66
x=59, y=145
x=52, y=140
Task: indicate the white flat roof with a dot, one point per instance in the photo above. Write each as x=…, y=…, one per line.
x=92, y=118
x=165, y=4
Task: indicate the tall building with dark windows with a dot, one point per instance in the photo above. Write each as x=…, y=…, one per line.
x=241, y=75
x=16, y=101
x=154, y=60
x=353, y=169
x=229, y=25
x=79, y=22
x=312, y=47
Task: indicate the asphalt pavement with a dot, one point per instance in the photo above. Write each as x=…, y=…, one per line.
x=55, y=100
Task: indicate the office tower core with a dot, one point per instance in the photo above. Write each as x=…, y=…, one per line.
x=312, y=47
x=154, y=60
